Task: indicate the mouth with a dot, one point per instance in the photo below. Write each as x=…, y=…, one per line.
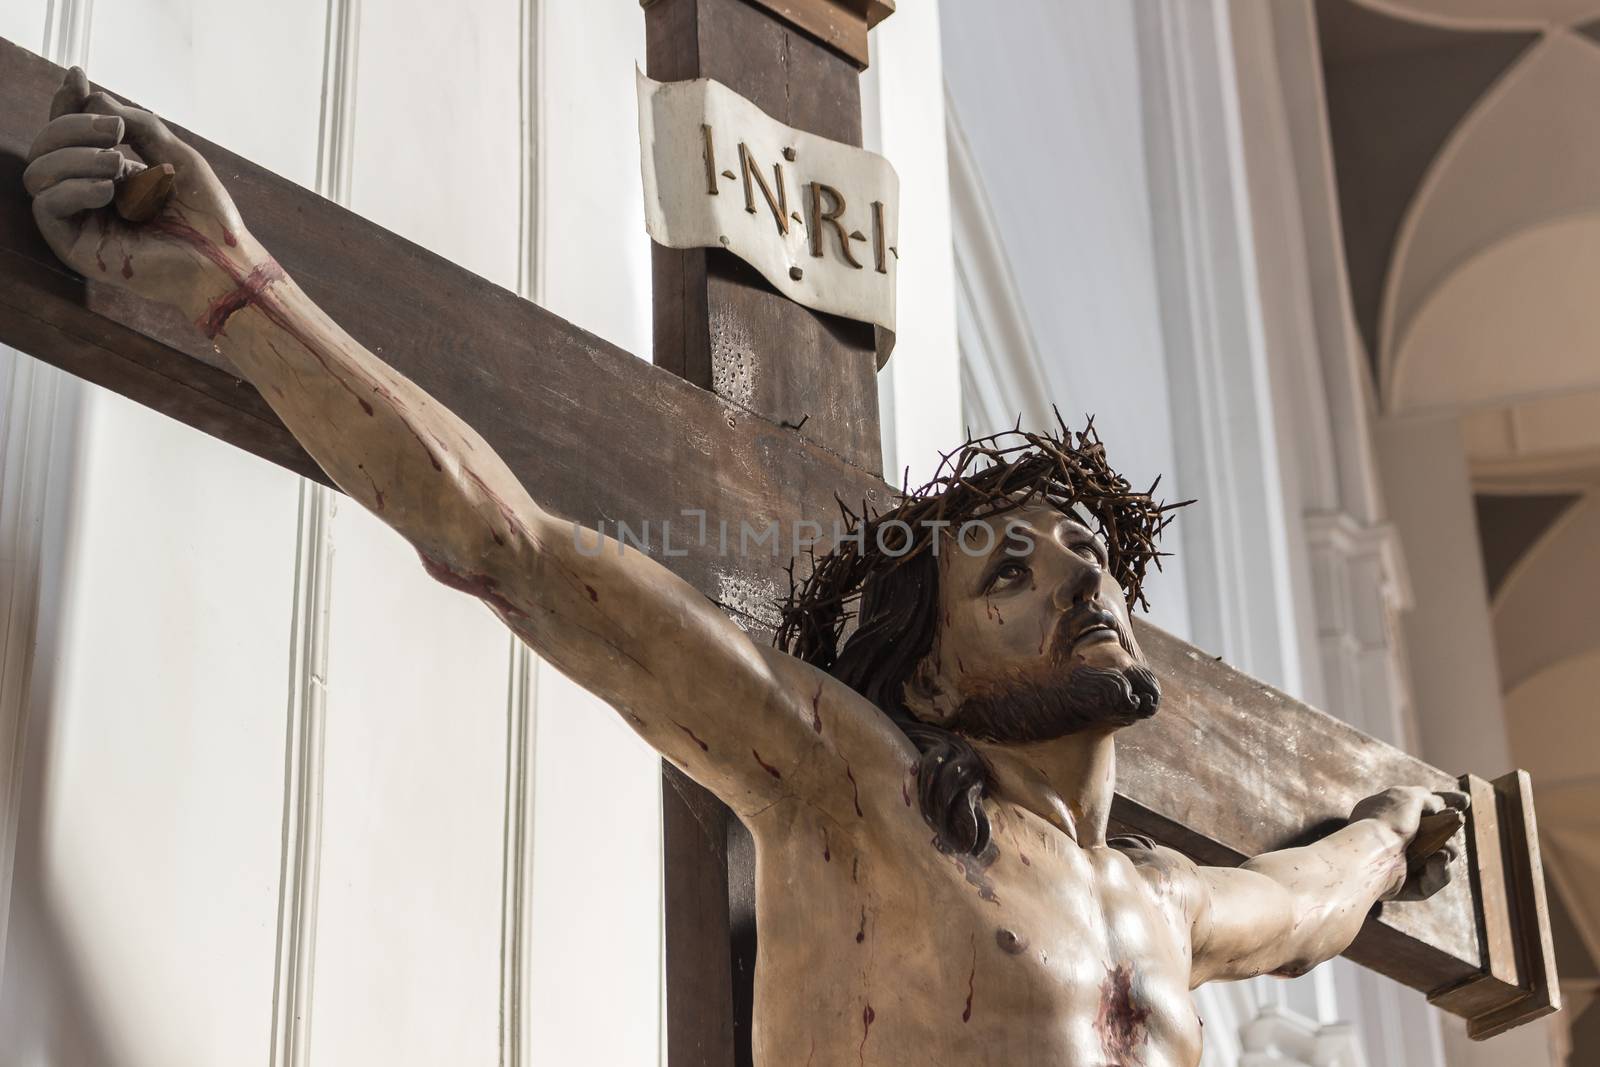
x=1090, y=628
x=1094, y=635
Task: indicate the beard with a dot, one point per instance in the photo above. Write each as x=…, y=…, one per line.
x=1023, y=708
x=1019, y=711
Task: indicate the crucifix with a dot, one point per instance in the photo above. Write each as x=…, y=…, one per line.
x=475, y=427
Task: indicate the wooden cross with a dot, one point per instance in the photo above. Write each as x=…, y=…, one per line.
x=1230, y=768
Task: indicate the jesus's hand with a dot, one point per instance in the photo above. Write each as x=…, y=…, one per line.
x=1401, y=811
x=194, y=249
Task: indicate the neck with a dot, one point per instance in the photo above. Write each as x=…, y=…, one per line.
x=1068, y=782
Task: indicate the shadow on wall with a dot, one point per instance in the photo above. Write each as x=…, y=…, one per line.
x=48, y=1007
x=48, y=1010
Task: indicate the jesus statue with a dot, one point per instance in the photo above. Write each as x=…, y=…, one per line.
x=926, y=759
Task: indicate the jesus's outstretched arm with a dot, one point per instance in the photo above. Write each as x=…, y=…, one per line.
x=742, y=720
x=1285, y=912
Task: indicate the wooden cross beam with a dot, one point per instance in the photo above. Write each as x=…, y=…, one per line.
x=1229, y=769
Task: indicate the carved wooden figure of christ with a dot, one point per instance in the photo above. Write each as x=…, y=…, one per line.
x=935, y=880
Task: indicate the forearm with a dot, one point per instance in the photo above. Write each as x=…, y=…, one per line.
x=605, y=614
x=377, y=434
x=1331, y=887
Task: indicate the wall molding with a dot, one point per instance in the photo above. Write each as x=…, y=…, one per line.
x=37, y=437
x=530, y=206
x=28, y=397
x=1276, y=1038
x=336, y=122
x=1238, y=573
x=67, y=26
x=516, y=861
x=1360, y=588
x=523, y=666
x=300, y=859
x=299, y=864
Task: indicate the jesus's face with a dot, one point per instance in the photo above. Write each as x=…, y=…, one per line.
x=1033, y=640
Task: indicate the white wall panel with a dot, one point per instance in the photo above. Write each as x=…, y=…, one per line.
x=148, y=851
x=245, y=74
x=596, y=940
x=407, y=940
x=596, y=934
x=436, y=128
x=22, y=22
x=596, y=267
x=408, y=914
x=157, y=765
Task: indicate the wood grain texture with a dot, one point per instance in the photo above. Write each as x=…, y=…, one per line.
x=700, y=962
x=716, y=320
x=1230, y=768
x=841, y=25
x=1519, y=983
x=721, y=326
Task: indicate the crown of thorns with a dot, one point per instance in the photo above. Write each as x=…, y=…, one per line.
x=986, y=476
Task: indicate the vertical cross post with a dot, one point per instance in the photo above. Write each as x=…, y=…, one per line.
x=719, y=325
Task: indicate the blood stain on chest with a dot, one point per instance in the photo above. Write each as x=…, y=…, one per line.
x=1122, y=1024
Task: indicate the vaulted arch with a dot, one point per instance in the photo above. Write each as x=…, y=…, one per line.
x=1526, y=157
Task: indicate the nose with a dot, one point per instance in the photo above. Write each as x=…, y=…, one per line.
x=1079, y=585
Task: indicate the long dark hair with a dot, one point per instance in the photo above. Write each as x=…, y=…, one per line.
x=896, y=624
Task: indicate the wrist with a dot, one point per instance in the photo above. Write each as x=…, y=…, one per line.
x=1388, y=861
x=228, y=272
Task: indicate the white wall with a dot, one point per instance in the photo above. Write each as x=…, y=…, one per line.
x=152, y=789
x=596, y=986
x=903, y=105
x=378, y=865
x=1049, y=99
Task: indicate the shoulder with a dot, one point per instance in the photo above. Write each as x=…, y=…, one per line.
x=1173, y=878
x=834, y=710
x=852, y=755
x=1145, y=854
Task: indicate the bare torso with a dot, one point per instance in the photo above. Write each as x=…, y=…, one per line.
x=876, y=947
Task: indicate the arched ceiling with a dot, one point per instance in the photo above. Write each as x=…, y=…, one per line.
x=1468, y=172
x=1547, y=718
x=1552, y=707
x=1491, y=14
x=1395, y=90
x=1551, y=711
x=1526, y=154
x=1509, y=525
x=1546, y=608
x=1517, y=321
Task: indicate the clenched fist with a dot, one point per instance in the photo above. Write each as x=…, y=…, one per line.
x=1401, y=811
x=193, y=252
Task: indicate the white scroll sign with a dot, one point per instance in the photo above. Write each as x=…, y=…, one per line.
x=818, y=218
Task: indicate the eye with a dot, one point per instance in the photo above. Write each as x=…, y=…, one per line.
x=1007, y=573
x=1090, y=550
